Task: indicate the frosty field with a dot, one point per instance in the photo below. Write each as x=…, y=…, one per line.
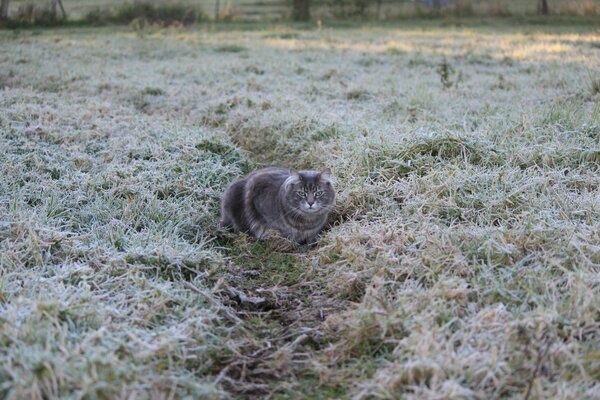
x=462, y=260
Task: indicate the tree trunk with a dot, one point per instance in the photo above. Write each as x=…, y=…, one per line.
x=379, y=16
x=437, y=7
x=543, y=8
x=62, y=9
x=301, y=10
x=4, y=10
x=217, y=11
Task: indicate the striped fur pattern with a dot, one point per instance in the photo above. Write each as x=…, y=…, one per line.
x=295, y=204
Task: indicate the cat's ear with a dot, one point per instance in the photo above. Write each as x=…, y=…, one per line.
x=295, y=177
x=325, y=175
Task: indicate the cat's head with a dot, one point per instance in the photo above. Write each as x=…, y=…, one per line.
x=310, y=191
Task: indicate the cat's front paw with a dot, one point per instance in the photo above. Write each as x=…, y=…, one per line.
x=277, y=242
x=311, y=241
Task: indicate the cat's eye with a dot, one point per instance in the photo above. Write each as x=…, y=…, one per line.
x=319, y=193
x=301, y=194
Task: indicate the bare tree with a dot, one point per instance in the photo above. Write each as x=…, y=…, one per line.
x=542, y=7
x=4, y=10
x=58, y=3
x=62, y=8
x=301, y=10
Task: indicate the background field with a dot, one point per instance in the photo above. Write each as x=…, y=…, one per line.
x=462, y=260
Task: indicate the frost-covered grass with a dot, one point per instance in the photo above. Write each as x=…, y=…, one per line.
x=462, y=260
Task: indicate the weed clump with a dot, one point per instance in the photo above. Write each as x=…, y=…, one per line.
x=230, y=48
x=153, y=91
x=448, y=75
x=425, y=152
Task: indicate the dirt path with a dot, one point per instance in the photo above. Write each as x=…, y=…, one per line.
x=281, y=303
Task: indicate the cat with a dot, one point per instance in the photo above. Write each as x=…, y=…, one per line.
x=295, y=204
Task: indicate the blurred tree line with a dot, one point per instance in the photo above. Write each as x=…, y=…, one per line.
x=301, y=8
x=298, y=10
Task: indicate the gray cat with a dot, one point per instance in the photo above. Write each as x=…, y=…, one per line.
x=296, y=204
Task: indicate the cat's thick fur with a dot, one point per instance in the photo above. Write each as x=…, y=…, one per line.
x=296, y=204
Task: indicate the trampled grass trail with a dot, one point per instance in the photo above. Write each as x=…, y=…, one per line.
x=461, y=262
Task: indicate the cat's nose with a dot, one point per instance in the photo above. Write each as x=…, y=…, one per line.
x=310, y=203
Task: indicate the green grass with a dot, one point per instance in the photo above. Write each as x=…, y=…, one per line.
x=461, y=259
x=230, y=48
